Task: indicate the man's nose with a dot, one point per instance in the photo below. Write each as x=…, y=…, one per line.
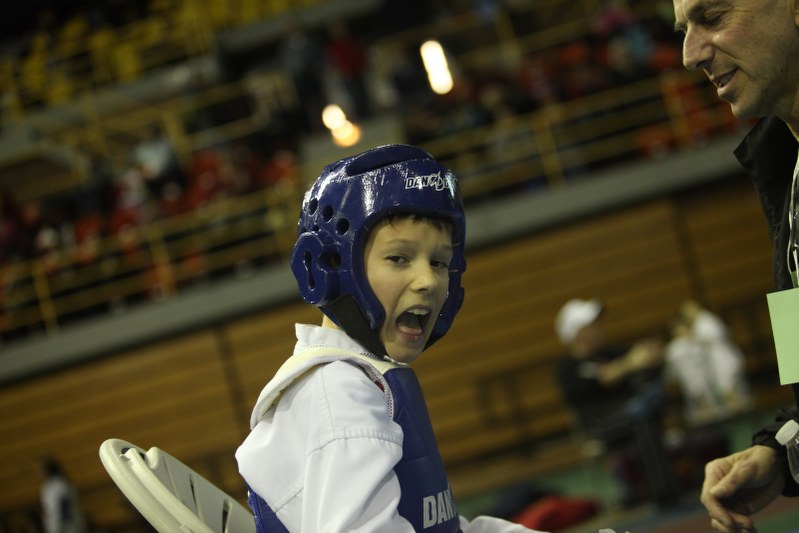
x=696, y=50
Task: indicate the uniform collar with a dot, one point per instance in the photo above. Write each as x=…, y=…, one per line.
x=309, y=336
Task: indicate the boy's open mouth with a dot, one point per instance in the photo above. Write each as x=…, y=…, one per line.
x=413, y=321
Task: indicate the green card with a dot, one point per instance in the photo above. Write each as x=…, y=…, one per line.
x=783, y=306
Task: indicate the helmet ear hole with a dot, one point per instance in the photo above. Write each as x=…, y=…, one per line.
x=327, y=213
x=312, y=205
x=342, y=226
x=306, y=259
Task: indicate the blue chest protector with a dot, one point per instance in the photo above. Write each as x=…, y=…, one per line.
x=426, y=500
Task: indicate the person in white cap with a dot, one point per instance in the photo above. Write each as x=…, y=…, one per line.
x=617, y=395
x=707, y=365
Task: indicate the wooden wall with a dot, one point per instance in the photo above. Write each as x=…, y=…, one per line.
x=489, y=383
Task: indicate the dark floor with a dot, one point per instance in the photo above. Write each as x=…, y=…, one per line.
x=591, y=481
x=782, y=516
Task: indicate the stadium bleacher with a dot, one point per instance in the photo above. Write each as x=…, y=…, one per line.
x=113, y=279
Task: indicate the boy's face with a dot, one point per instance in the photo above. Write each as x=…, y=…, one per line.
x=407, y=267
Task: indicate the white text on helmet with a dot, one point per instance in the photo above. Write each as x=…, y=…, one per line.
x=436, y=181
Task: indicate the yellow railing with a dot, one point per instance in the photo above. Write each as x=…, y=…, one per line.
x=645, y=119
x=111, y=133
x=148, y=262
x=185, y=29
x=541, y=149
x=75, y=59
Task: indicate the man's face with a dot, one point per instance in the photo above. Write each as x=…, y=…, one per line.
x=407, y=266
x=747, y=48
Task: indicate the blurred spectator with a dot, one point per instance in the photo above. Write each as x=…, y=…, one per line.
x=612, y=18
x=130, y=198
x=349, y=59
x=55, y=234
x=11, y=227
x=205, y=184
x=665, y=56
x=94, y=194
x=618, y=396
x=461, y=109
x=31, y=222
x=629, y=55
x=121, y=12
x=157, y=160
x=301, y=55
x=536, y=81
x=408, y=78
x=421, y=123
x=61, y=511
x=281, y=170
x=580, y=74
x=707, y=365
x=399, y=15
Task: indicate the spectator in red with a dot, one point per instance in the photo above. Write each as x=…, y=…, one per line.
x=280, y=170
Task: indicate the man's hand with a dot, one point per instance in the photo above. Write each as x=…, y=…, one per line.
x=739, y=485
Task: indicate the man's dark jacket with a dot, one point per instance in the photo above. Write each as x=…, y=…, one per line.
x=769, y=155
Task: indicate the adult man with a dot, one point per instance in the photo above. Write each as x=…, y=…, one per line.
x=748, y=49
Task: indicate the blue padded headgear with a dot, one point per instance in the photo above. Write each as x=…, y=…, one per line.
x=347, y=200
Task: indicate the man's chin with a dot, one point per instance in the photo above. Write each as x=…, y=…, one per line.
x=743, y=110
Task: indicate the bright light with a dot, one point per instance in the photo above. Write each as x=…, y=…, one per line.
x=333, y=117
x=344, y=132
x=346, y=135
x=435, y=63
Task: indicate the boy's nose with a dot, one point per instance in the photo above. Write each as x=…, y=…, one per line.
x=425, y=278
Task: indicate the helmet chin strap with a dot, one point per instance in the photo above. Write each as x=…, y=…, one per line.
x=350, y=317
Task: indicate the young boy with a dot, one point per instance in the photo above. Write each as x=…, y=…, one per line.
x=341, y=439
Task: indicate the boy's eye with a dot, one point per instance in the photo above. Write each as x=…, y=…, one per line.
x=396, y=258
